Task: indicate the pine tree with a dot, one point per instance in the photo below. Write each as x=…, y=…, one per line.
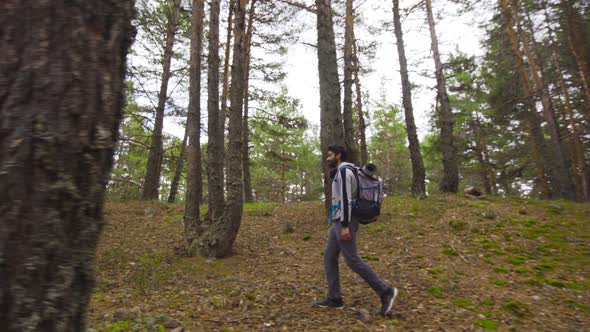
x=62, y=91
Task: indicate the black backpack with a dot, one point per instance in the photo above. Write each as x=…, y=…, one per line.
x=366, y=206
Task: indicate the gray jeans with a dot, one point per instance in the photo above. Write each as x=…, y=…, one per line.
x=348, y=248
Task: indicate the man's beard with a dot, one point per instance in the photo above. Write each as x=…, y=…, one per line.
x=332, y=163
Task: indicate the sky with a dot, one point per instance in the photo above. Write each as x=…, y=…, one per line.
x=454, y=32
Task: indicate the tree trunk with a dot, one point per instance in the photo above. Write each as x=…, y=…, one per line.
x=245, y=149
x=178, y=170
x=562, y=183
x=331, y=130
x=576, y=41
x=225, y=88
x=218, y=239
x=538, y=141
x=578, y=158
x=481, y=151
x=364, y=156
x=349, y=140
x=418, y=172
x=216, y=146
x=450, y=180
x=61, y=96
x=194, y=182
x=151, y=183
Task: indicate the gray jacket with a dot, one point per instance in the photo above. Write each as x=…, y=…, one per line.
x=343, y=189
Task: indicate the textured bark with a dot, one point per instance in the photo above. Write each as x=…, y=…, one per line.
x=225, y=88
x=215, y=151
x=349, y=140
x=151, y=183
x=482, y=155
x=450, y=180
x=178, y=170
x=562, y=184
x=578, y=158
x=418, y=172
x=364, y=155
x=540, y=154
x=578, y=44
x=245, y=149
x=194, y=181
x=331, y=130
x=62, y=69
x=218, y=239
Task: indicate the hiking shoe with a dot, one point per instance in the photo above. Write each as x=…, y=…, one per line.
x=330, y=303
x=387, y=300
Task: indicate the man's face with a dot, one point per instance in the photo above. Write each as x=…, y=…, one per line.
x=333, y=159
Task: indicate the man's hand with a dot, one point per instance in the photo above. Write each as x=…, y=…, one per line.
x=345, y=234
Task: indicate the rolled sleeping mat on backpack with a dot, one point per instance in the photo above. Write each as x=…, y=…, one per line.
x=370, y=169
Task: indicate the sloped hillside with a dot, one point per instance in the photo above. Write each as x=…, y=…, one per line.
x=460, y=264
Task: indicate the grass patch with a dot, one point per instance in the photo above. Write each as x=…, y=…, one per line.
x=516, y=308
x=306, y=237
x=517, y=260
x=489, y=303
x=578, y=305
x=500, y=283
x=463, y=302
x=259, y=208
x=435, y=271
x=546, y=266
x=376, y=227
x=370, y=258
x=149, y=274
x=488, y=324
x=533, y=282
x=499, y=269
x=436, y=292
x=450, y=252
x=555, y=283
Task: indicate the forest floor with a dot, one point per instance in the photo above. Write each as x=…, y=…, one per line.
x=460, y=264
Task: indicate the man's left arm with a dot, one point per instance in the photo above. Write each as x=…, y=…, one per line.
x=347, y=180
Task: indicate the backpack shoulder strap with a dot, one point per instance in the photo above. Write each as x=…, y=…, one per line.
x=356, y=177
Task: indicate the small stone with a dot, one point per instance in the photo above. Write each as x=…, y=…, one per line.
x=536, y=297
x=121, y=315
x=178, y=329
x=211, y=260
x=363, y=315
x=149, y=212
x=480, y=316
x=171, y=324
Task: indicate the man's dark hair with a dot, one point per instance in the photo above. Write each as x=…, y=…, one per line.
x=339, y=149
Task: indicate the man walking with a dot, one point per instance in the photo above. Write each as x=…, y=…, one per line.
x=342, y=237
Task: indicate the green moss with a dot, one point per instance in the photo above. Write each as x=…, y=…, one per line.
x=500, y=283
x=499, y=269
x=578, y=305
x=370, y=258
x=516, y=308
x=487, y=324
x=450, y=252
x=463, y=302
x=436, y=292
x=533, y=282
x=435, y=271
x=555, y=283
x=517, y=260
x=489, y=303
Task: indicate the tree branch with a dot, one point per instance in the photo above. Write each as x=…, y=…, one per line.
x=299, y=5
